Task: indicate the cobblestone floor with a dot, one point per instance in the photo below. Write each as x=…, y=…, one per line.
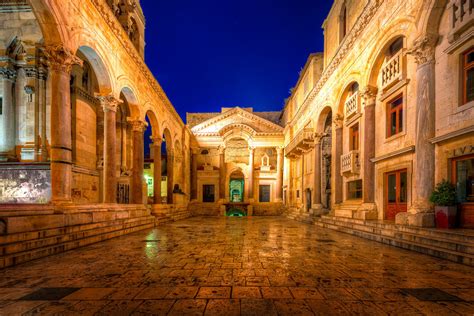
x=232, y=266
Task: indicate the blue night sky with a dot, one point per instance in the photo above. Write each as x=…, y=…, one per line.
x=210, y=54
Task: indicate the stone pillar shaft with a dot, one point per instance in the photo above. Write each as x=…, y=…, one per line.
x=194, y=165
x=317, y=172
x=222, y=173
x=279, y=182
x=157, y=170
x=302, y=180
x=169, y=173
x=7, y=119
x=138, y=128
x=424, y=162
x=60, y=60
x=109, y=106
x=251, y=162
x=369, y=99
x=338, y=181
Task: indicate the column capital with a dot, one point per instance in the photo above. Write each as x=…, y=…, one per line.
x=338, y=121
x=138, y=125
x=221, y=150
x=7, y=73
x=423, y=49
x=368, y=95
x=108, y=101
x=280, y=150
x=195, y=150
x=60, y=58
x=252, y=149
x=156, y=140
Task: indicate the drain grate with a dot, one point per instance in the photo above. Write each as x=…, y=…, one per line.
x=325, y=240
x=431, y=295
x=49, y=294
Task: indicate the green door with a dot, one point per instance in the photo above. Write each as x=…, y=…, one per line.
x=236, y=191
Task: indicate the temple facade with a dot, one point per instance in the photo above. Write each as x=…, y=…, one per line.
x=373, y=123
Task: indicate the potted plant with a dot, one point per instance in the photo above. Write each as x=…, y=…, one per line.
x=444, y=199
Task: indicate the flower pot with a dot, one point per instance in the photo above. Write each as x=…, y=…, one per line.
x=445, y=216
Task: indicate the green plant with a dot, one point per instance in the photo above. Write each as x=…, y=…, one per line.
x=444, y=194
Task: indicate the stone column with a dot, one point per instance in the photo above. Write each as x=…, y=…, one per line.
x=138, y=128
x=7, y=119
x=157, y=169
x=43, y=75
x=421, y=211
x=279, y=182
x=251, y=160
x=61, y=60
x=109, y=106
x=317, y=172
x=302, y=193
x=368, y=95
x=170, y=174
x=338, y=183
x=194, y=164
x=222, y=173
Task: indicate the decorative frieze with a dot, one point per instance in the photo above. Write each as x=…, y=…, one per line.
x=7, y=73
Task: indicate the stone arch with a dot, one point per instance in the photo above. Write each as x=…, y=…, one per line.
x=398, y=28
x=344, y=93
x=101, y=71
x=155, y=125
x=54, y=31
x=130, y=94
x=431, y=14
x=321, y=120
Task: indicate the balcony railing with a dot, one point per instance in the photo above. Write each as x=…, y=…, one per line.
x=462, y=15
x=393, y=70
x=350, y=163
x=303, y=141
x=352, y=105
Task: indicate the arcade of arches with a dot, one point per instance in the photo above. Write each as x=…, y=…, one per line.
x=90, y=141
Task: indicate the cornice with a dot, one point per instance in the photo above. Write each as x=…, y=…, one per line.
x=360, y=25
x=235, y=111
x=120, y=33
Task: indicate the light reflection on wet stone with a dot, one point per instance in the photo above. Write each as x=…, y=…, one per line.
x=231, y=266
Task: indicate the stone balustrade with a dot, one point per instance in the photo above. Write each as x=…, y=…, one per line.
x=392, y=70
x=352, y=105
x=350, y=163
x=302, y=142
x=462, y=16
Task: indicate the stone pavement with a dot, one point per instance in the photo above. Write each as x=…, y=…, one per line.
x=232, y=266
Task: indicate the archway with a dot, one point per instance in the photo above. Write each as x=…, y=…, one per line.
x=326, y=159
x=236, y=187
x=153, y=160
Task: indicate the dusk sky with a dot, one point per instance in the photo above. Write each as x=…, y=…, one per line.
x=210, y=54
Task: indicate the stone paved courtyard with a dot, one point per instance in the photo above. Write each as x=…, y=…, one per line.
x=232, y=266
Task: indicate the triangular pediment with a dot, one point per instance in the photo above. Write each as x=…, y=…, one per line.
x=234, y=117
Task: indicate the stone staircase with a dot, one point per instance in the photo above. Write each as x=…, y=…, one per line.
x=31, y=234
x=300, y=215
x=455, y=245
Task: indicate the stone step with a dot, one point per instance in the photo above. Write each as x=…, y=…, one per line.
x=25, y=256
x=446, y=249
x=393, y=231
x=78, y=233
x=58, y=231
x=456, y=235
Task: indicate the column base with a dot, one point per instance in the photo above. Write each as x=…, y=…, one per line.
x=318, y=210
x=367, y=211
x=222, y=209
x=421, y=219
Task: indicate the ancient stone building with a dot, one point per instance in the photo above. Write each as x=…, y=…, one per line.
x=373, y=123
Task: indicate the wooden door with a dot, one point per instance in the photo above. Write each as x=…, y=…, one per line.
x=396, y=193
x=463, y=178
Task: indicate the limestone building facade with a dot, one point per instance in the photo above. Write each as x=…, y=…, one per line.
x=389, y=113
